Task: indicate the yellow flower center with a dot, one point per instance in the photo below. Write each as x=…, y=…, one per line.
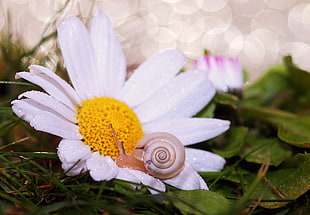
x=95, y=118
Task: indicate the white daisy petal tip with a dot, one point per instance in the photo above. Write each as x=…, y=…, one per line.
x=17, y=75
x=190, y=130
x=176, y=55
x=70, y=151
x=184, y=96
x=188, y=179
x=68, y=23
x=204, y=161
x=101, y=168
x=15, y=108
x=221, y=125
x=35, y=69
x=101, y=15
x=141, y=85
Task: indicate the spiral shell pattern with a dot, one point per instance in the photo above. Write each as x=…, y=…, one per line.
x=162, y=153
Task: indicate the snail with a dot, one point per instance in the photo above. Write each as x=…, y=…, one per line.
x=160, y=154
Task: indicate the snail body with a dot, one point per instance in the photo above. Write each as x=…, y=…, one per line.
x=159, y=154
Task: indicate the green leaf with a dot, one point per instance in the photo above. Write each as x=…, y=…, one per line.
x=199, y=202
x=233, y=143
x=285, y=184
x=238, y=175
x=207, y=112
x=259, y=151
x=264, y=91
x=226, y=99
x=296, y=131
x=291, y=128
x=285, y=87
x=299, y=78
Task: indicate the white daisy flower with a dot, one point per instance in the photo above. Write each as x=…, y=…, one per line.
x=153, y=99
x=224, y=72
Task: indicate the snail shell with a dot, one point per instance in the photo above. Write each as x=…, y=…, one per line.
x=162, y=153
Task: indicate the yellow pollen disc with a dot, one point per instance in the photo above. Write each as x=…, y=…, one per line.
x=94, y=120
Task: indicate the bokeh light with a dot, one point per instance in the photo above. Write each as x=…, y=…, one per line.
x=259, y=33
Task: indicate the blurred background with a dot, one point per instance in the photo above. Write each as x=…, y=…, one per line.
x=258, y=32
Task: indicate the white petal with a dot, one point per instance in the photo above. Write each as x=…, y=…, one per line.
x=126, y=175
x=51, y=104
x=74, y=168
x=70, y=151
x=202, y=184
x=151, y=76
x=149, y=180
x=204, y=161
x=73, y=155
x=101, y=167
x=188, y=179
x=52, y=84
x=79, y=57
x=52, y=124
x=109, y=55
x=25, y=109
x=64, y=86
x=184, y=96
x=141, y=177
x=189, y=130
x=43, y=120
